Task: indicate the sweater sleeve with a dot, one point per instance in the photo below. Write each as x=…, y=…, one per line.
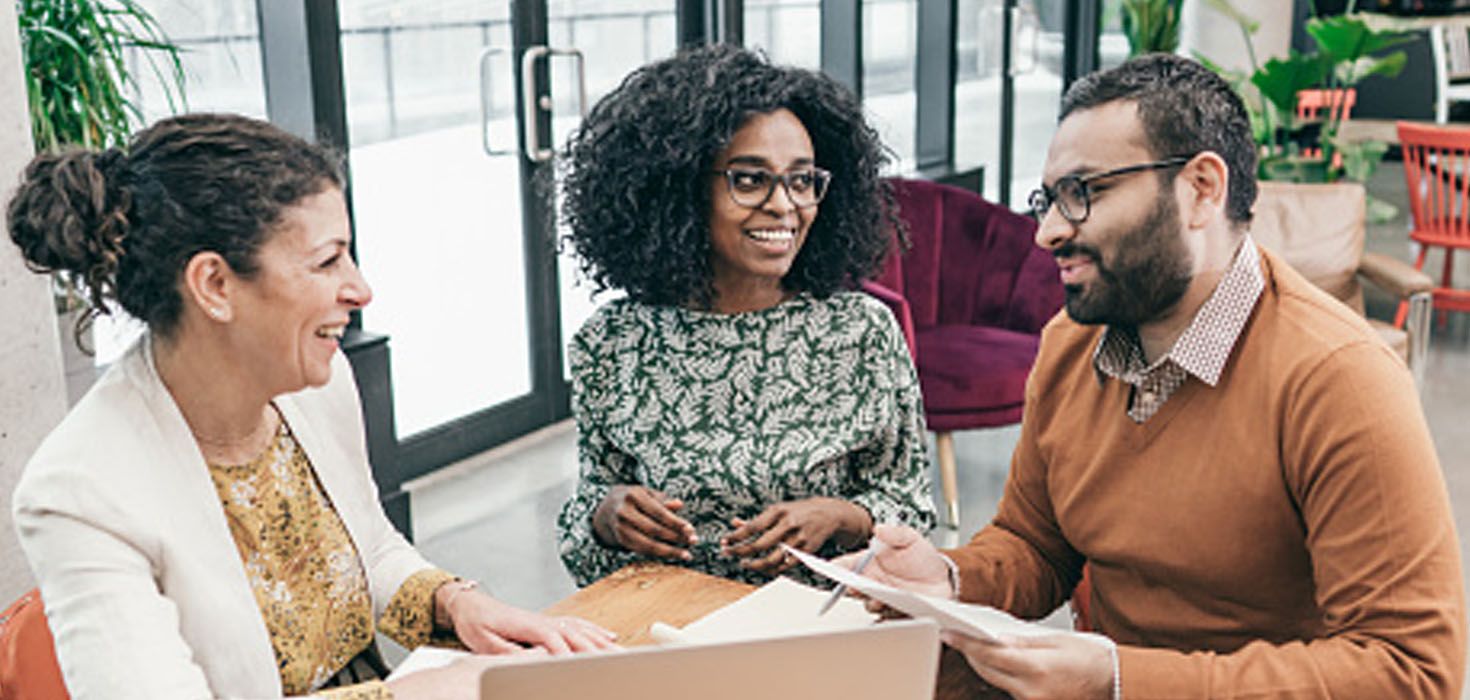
x=1020, y=562
x=1362, y=469
x=602, y=466
x=893, y=477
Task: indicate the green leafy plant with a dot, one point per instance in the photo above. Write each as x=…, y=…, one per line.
x=78, y=82
x=1347, y=51
x=76, y=73
x=1151, y=26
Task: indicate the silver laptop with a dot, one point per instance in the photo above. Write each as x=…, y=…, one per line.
x=889, y=661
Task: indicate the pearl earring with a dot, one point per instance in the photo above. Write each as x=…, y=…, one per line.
x=217, y=312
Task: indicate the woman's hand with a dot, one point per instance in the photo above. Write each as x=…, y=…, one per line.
x=642, y=521
x=806, y=525
x=488, y=626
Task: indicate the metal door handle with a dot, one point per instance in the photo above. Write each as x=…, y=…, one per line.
x=487, y=101
x=533, y=102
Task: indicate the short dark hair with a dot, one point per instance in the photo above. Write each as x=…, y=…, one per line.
x=122, y=224
x=636, y=194
x=1185, y=108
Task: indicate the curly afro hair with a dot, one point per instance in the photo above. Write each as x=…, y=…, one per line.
x=636, y=195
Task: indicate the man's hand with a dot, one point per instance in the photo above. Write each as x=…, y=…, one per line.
x=643, y=521
x=1065, y=665
x=908, y=561
x=806, y=525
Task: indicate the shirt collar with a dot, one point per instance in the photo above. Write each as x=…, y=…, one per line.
x=1205, y=346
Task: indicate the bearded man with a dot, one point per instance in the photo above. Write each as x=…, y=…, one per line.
x=1237, y=460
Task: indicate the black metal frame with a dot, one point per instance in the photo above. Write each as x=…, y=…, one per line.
x=1080, y=51
x=710, y=21
x=842, y=42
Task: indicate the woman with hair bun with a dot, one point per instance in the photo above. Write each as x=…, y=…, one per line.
x=204, y=523
x=743, y=395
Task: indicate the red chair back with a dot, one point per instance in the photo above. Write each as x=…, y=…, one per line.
x=1437, y=171
x=28, y=669
x=1338, y=104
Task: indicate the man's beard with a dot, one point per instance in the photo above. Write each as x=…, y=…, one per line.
x=1149, y=273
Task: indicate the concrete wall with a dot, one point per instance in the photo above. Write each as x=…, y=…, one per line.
x=1216, y=37
x=32, y=396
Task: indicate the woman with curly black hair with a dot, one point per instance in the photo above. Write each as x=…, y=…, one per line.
x=742, y=395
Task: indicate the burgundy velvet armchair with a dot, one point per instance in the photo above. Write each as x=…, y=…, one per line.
x=972, y=294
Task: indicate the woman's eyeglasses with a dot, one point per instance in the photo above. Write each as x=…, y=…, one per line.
x=1072, y=194
x=752, y=187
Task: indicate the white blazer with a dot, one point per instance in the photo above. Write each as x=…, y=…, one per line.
x=143, y=585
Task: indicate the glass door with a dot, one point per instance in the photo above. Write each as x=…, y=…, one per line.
x=454, y=112
x=437, y=197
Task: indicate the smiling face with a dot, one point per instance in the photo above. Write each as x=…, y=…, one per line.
x=1127, y=263
x=292, y=312
x=754, y=248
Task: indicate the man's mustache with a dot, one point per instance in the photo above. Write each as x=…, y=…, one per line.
x=1072, y=250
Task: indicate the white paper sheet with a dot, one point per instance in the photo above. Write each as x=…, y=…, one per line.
x=979, y=621
x=781, y=607
x=424, y=658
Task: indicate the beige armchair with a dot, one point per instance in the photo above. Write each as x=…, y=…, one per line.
x=1319, y=229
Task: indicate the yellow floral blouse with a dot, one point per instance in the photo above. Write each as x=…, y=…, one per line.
x=307, y=576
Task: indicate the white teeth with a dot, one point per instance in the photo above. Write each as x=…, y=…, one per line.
x=775, y=234
x=331, y=331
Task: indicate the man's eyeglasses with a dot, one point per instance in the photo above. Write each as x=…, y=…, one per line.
x=1072, y=193
x=752, y=187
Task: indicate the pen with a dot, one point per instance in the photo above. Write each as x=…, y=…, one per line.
x=874, y=546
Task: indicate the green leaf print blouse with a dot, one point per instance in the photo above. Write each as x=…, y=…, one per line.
x=732, y=413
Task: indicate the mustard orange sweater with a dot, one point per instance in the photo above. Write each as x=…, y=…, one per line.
x=1285, y=534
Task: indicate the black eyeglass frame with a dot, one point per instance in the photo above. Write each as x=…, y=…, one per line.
x=822, y=174
x=1047, y=195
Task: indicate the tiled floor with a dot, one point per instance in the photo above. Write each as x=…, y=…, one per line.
x=492, y=517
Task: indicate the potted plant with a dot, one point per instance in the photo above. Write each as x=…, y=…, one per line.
x=79, y=87
x=1347, y=51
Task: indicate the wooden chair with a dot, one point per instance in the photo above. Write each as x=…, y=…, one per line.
x=1337, y=105
x=1437, y=171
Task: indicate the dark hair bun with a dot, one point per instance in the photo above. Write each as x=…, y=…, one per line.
x=69, y=215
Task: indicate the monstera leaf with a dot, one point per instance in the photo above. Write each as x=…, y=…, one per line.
x=1280, y=80
x=1346, y=39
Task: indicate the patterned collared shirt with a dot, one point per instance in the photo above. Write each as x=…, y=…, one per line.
x=1202, y=350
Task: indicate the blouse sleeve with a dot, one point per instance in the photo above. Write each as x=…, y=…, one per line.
x=893, y=474
x=602, y=466
x=409, y=617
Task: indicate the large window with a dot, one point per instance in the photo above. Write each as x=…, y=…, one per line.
x=890, y=34
x=1037, y=70
x=977, y=88
x=787, y=30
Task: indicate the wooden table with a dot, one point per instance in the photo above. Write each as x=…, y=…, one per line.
x=634, y=597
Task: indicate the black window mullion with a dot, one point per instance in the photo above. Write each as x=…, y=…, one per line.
x=842, y=42
x=1080, y=49
x=934, y=84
